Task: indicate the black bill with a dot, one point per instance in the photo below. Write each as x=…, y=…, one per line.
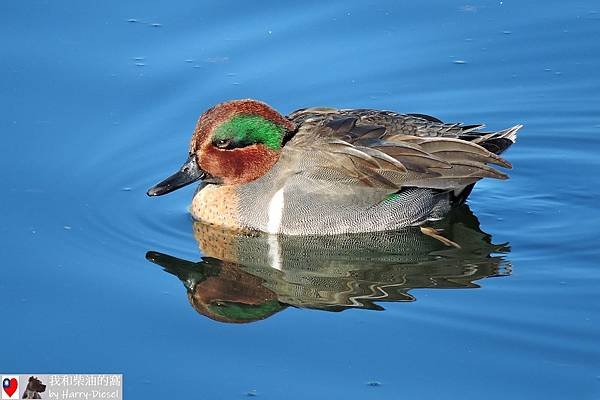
x=188, y=173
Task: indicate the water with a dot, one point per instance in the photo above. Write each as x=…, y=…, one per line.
x=98, y=103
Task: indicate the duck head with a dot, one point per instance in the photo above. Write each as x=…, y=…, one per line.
x=221, y=290
x=233, y=143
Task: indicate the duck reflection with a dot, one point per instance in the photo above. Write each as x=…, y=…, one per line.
x=249, y=277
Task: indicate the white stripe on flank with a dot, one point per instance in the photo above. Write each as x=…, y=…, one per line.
x=275, y=212
x=274, y=252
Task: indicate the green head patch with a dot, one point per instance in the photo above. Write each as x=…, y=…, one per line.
x=238, y=312
x=245, y=130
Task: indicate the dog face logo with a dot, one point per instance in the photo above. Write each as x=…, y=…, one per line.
x=10, y=387
x=34, y=388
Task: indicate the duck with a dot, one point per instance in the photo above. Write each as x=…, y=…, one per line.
x=327, y=171
x=244, y=278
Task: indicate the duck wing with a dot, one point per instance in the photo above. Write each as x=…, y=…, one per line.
x=390, y=151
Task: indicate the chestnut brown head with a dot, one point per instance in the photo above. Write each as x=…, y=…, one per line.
x=233, y=143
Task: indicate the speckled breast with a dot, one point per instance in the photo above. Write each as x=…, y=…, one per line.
x=217, y=205
x=289, y=208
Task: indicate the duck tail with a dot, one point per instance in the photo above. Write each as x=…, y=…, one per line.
x=498, y=142
x=510, y=133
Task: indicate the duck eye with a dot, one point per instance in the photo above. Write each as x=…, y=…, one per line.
x=223, y=143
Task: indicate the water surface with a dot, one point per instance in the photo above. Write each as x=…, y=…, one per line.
x=99, y=101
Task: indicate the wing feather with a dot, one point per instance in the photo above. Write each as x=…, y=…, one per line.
x=386, y=150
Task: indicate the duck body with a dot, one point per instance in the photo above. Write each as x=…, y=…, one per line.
x=322, y=171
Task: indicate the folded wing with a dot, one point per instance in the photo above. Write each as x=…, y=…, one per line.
x=390, y=151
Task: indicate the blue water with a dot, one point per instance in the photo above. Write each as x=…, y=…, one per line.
x=98, y=101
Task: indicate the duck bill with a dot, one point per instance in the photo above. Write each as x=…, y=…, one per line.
x=188, y=173
x=189, y=273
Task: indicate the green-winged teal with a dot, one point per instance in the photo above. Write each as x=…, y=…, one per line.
x=244, y=277
x=328, y=171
